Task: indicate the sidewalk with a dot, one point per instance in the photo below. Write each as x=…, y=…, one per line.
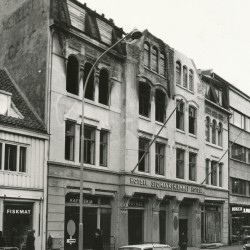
x=224, y=247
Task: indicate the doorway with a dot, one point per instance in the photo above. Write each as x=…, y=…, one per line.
x=135, y=226
x=183, y=223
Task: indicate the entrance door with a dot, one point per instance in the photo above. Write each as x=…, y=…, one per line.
x=135, y=226
x=183, y=227
x=213, y=227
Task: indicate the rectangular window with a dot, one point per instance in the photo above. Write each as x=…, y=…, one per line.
x=22, y=160
x=238, y=152
x=103, y=148
x=159, y=158
x=69, y=140
x=192, y=166
x=220, y=174
x=89, y=145
x=214, y=173
x=192, y=120
x=180, y=115
x=238, y=119
x=180, y=163
x=10, y=159
x=185, y=77
x=1, y=151
x=238, y=186
x=207, y=171
x=247, y=124
x=143, y=150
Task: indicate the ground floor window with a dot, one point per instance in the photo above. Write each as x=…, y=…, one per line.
x=17, y=220
x=162, y=226
x=96, y=214
x=135, y=226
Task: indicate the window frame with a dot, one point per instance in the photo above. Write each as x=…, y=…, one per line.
x=70, y=138
x=178, y=73
x=191, y=80
x=143, y=166
x=192, y=118
x=144, y=99
x=146, y=53
x=192, y=166
x=159, y=158
x=160, y=103
x=103, y=147
x=185, y=77
x=180, y=163
x=155, y=58
x=180, y=115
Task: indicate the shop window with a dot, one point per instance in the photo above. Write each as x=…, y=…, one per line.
x=180, y=163
x=103, y=148
x=90, y=89
x=191, y=80
x=208, y=128
x=162, y=66
x=72, y=78
x=192, y=120
x=220, y=174
x=238, y=186
x=214, y=173
x=185, y=77
x=89, y=145
x=159, y=158
x=146, y=55
x=214, y=124
x=13, y=157
x=178, y=73
x=220, y=129
x=155, y=59
x=104, y=87
x=192, y=166
x=238, y=152
x=207, y=171
x=143, y=152
x=160, y=112
x=179, y=115
x=69, y=140
x=144, y=99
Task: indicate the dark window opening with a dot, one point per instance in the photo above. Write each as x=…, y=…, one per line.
x=146, y=55
x=104, y=87
x=72, y=78
x=89, y=145
x=144, y=99
x=162, y=66
x=192, y=166
x=238, y=186
x=160, y=113
x=103, y=148
x=22, y=160
x=155, y=60
x=69, y=140
x=192, y=120
x=159, y=158
x=89, y=94
x=207, y=129
x=178, y=73
x=10, y=161
x=180, y=163
x=214, y=166
x=143, y=149
x=180, y=115
x=185, y=77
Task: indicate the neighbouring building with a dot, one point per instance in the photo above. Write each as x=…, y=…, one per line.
x=23, y=154
x=215, y=210
x=239, y=137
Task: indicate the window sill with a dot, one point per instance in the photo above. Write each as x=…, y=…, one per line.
x=186, y=89
x=213, y=145
x=145, y=118
x=243, y=162
x=13, y=172
x=74, y=96
x=159, y=123
x=180, y=131
x=154, y=72
x=193, y=135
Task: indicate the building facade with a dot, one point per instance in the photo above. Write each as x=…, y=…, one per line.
x=23, y=152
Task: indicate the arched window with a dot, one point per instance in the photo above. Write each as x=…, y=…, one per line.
x=208, y=128
x=104, y=87
x=192, y=120
x=155, y=59
x=220, y=129
x=72, y=78
x=191, y=80
x=89, y=94
x=160, y=112
x=185, y=77
x=146, y=55
x=214, y=132
x=162, y=66
x=180, y=115
x=144, y=99
x=178, y=72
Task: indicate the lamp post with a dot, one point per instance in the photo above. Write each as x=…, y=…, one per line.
x=135, y=34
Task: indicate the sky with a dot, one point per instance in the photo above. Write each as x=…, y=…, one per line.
x=214, y=33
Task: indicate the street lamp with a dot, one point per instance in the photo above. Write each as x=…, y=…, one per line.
x=135, y=34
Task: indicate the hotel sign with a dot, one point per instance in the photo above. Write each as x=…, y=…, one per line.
x=165, y=185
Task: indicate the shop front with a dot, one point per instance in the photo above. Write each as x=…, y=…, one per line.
x=240, y=222
x=96, y=214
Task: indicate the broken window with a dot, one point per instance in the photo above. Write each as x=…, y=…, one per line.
x=104, y=87
x=69, y=140
x=103, y=148
x=179, y=115
x=146, y=55
x=180, y=163
x=162, y=66
x=72, y=78
x=192, y=120
x=144, y=99
x=159, y=158
x=191, y=80
x=90, y=90
x=160, y=105
x=185, y=77
x=178, y=73
x=192, y=166
x=155, y=59
x=143, y=149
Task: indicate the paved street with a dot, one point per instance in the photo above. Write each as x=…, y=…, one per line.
x=233, y=247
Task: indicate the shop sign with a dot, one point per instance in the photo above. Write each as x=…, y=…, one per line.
x=246, y=210
x=75, y=198
x=212, y=208
x=236, y=209
x=17, y=210
x=136, y=203
x=166, y=185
